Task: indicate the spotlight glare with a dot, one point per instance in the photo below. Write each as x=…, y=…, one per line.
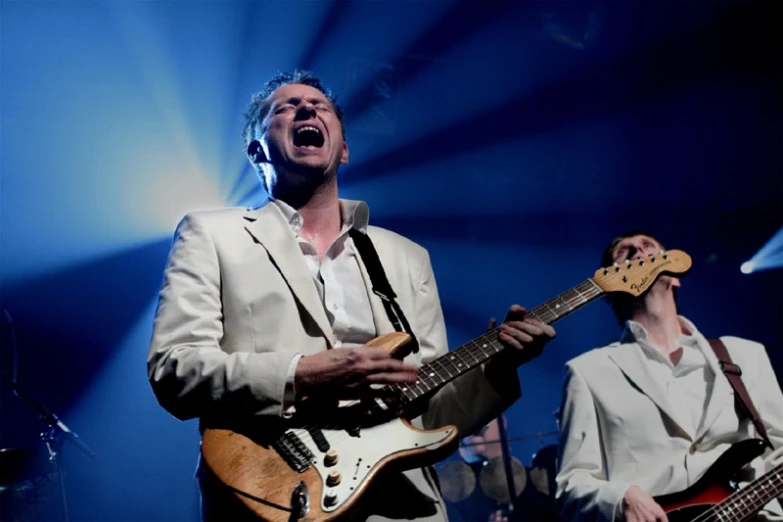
x=747, y=267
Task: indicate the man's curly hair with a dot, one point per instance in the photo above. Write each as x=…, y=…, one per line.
x=259, y=102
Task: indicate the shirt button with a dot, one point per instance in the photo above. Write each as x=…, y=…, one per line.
x=334, y=307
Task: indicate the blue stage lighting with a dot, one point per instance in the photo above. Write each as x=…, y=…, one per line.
x=769, y=256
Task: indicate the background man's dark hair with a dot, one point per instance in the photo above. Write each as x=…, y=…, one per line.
x=259, y=102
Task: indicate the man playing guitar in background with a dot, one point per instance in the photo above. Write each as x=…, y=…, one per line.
x=650, y=414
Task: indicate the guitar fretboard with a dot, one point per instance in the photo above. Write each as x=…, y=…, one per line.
x=448, y=367
x=743, y=504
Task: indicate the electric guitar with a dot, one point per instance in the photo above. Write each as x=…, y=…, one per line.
x=315, y=466
x=714, y=498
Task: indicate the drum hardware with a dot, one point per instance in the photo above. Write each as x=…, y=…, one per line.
x=52, y=429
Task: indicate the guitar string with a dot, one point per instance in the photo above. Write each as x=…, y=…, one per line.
x=476, y=348
x=718, y=511
x=592, y=291
x=572, y=299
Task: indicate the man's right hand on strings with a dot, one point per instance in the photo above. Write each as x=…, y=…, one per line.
x=348, y=373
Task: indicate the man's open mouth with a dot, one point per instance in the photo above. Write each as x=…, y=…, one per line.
x=308, y=136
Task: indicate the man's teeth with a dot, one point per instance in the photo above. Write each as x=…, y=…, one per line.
x=308, y=136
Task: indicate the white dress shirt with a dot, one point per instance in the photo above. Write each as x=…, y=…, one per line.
x=340, y=285
x=687, y=384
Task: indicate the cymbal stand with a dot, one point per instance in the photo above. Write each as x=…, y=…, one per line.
x=52, y=428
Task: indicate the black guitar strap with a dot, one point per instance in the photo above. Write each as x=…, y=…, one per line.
x=381, y=286
x=734, y=374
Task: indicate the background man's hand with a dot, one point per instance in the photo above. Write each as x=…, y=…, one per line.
x=527, y=336
x=348, y=373
x=638, y=506
x=524, y=339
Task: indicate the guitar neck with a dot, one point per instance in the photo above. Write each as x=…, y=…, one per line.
x=459, y=361
x=745, y=503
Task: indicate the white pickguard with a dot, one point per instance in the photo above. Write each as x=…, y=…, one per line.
x=357, y=456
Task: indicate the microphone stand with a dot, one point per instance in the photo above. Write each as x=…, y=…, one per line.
x=506, y=455
x=52, y=428
x=504, y=449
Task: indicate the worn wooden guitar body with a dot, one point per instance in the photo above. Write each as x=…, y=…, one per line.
x=270, y=487
x=321, y=468
x=316, y=466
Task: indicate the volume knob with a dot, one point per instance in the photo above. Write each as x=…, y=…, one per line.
x=330, y=499
x=333, y=478
x=331, y=457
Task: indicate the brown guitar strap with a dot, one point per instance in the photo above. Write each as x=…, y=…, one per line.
x=734, y=374
x=381, y=286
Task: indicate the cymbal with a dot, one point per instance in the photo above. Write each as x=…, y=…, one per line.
x=17, y=464
x=457, y=481
x=543, y=469
x=492, y=479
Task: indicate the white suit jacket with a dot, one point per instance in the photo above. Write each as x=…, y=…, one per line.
x=238, y=301
x=619, y=430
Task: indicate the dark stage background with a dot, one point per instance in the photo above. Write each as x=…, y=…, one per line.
x=511, y=139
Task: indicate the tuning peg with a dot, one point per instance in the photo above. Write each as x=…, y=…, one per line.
x=616, y=267
x=665, y=254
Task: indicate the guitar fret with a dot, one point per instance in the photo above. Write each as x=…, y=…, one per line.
x=470, y=352
x=749, y=500
x=482, y=348
x=454, y=371
x=727, y=511
x=744, y=507
x=551, y=312
x=405, y=391
x=462, y=364
x=754, y=498
x=593, y=288
x=441, y=369
x=579, y=294
x=422, y=382
x=475, y=352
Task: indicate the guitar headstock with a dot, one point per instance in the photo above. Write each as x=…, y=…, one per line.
x=637, y=276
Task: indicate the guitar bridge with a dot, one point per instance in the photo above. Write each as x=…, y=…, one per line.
x=294, y=451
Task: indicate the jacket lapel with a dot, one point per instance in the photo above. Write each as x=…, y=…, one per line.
x=270, y=229
x=633, y=364
x=721, y=395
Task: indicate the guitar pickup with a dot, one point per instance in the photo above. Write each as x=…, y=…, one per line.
x=320, y=440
